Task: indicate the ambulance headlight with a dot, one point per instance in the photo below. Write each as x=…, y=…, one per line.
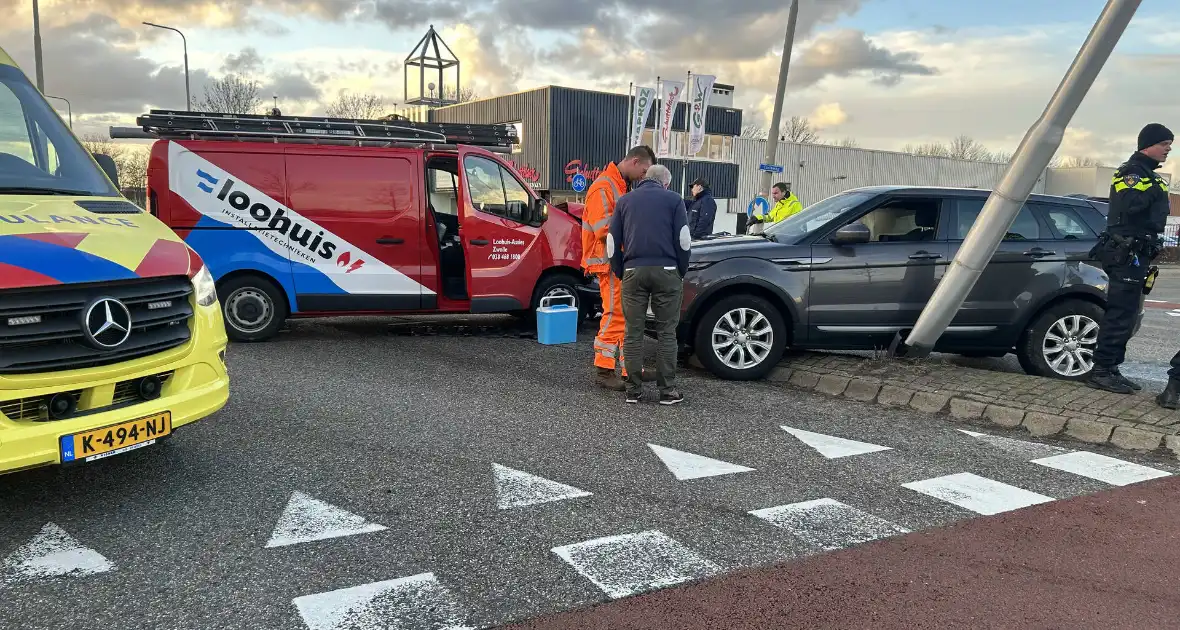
x=204, y=287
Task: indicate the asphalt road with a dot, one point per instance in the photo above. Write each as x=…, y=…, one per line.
x=365, y=477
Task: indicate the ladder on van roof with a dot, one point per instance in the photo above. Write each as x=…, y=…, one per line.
x=169, y=124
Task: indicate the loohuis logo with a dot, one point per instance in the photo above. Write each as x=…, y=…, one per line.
x=300, y=240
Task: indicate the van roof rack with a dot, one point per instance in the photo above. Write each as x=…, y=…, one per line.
x=390, y=131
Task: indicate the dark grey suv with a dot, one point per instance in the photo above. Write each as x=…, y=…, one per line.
x=849, y=272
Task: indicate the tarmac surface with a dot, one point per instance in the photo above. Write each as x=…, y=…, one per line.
x=394, y=473
x=1104, y=561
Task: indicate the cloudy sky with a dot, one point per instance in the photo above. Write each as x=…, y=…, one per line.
x=885, y=72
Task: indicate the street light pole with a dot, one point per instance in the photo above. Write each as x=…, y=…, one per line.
x=69, y=108
x=188, y=99
x=784, y=68
x=1032, y=156
x=37, y=47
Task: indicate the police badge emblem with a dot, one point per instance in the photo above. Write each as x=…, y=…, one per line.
x=1131, y=180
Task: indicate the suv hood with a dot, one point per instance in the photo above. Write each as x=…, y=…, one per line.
x=54, y=240
x=715, y=249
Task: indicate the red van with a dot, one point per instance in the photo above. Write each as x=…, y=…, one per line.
x=307, y=217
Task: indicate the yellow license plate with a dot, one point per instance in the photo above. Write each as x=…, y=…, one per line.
x=115, y=439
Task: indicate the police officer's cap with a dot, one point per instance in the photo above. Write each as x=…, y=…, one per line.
x=1154, y=134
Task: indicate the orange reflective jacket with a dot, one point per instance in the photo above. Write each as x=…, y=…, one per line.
x=601, y=198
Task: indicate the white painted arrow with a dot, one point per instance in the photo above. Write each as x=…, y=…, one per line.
x=52, y=553
x=690, y=466
x=418, y=601
x=516, y=488
x=833, y=447
x=307, y=519
x=1020, y=448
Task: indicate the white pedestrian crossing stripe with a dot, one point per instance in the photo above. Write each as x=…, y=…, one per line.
x=1115, y=472
x=833, y=447
x=418, y=601
x=978, y=494
x=829, y=524
x=307, y=519
x=630, y=564
x=691, y=466
x=52, y=553
x=515, y=488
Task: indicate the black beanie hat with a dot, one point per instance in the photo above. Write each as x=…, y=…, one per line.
x=1154, y=134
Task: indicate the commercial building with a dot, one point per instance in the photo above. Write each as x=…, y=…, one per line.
x=564, y=131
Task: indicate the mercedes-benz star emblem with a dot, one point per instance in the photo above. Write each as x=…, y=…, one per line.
x=106, y=323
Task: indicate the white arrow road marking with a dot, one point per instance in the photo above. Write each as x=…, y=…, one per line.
x=691, y=466
x=306, y=519
x=829, y=524
x=515, y=488
x=1115, y=472
x=635, y=563
x=1016, y=447
x=978, y=494
x=833, y=447
x=52, y=553
x=418, y=601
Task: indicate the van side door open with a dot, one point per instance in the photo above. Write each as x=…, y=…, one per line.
x=503, y=254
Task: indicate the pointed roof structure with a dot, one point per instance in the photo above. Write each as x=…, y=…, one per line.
x=427, y=55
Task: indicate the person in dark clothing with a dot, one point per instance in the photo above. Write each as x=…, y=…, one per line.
x=1138, y=214
x=648, y=246
x=702, y=211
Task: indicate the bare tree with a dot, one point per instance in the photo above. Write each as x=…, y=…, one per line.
x=800, y=131
x=464, y=95
x=847, y=143
x=934, y=149
x=751, y=130
x=231, y=95
x=1070, y=161
x=966, y=148
x=364, y=106
x=131, y=161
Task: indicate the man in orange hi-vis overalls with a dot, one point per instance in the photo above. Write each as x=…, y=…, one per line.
x=601, y=197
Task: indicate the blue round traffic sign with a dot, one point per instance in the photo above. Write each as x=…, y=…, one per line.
x=578, y=182
x=759, y=207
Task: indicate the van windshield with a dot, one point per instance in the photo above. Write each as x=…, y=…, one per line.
x=38, y=154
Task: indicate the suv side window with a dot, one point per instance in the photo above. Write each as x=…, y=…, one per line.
x=492, y=189
x=1024, y=228
x=1067, y=224
x=909, y=220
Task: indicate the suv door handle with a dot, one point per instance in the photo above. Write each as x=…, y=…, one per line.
x=478, y=241
x=390, y=241
x=924, y=256
x=1037, y=252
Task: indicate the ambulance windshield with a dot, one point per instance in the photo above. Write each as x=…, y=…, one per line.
x=38, y=154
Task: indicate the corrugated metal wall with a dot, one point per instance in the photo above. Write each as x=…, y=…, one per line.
x=531, y=108
x=722, y=177
x=590, y=130
x=817, y=172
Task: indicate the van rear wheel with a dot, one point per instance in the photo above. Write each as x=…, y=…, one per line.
x=254, y=308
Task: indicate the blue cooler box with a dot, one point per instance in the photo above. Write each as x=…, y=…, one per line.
x=557, y=324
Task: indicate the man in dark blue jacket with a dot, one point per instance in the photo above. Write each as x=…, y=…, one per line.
x=702, y=211
x=648, y=246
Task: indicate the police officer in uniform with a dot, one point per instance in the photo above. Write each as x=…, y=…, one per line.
x=1138, y=214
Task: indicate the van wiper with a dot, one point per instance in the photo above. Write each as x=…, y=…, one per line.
x=33, y=190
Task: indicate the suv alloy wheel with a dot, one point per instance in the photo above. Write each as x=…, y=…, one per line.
x=1061, y=340
x=741, y=338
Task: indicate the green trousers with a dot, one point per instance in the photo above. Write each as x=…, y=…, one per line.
x=663, y=289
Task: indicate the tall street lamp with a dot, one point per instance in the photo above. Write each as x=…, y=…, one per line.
x=187, y=95
x=37, y=47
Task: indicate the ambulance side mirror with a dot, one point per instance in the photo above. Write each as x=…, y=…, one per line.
x=540, y=212
x=107, y=164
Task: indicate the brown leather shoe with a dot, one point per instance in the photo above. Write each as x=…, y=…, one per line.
x=608, y=379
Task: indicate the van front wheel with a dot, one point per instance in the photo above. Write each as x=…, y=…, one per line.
x=254, y=308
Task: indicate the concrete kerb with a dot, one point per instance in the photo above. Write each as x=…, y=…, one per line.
x=1121, y=434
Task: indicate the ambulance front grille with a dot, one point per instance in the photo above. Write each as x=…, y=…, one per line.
x=41, y=328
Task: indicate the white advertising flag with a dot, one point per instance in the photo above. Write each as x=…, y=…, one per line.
x=643, y=100
x=702, y=89
x=670, y=94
